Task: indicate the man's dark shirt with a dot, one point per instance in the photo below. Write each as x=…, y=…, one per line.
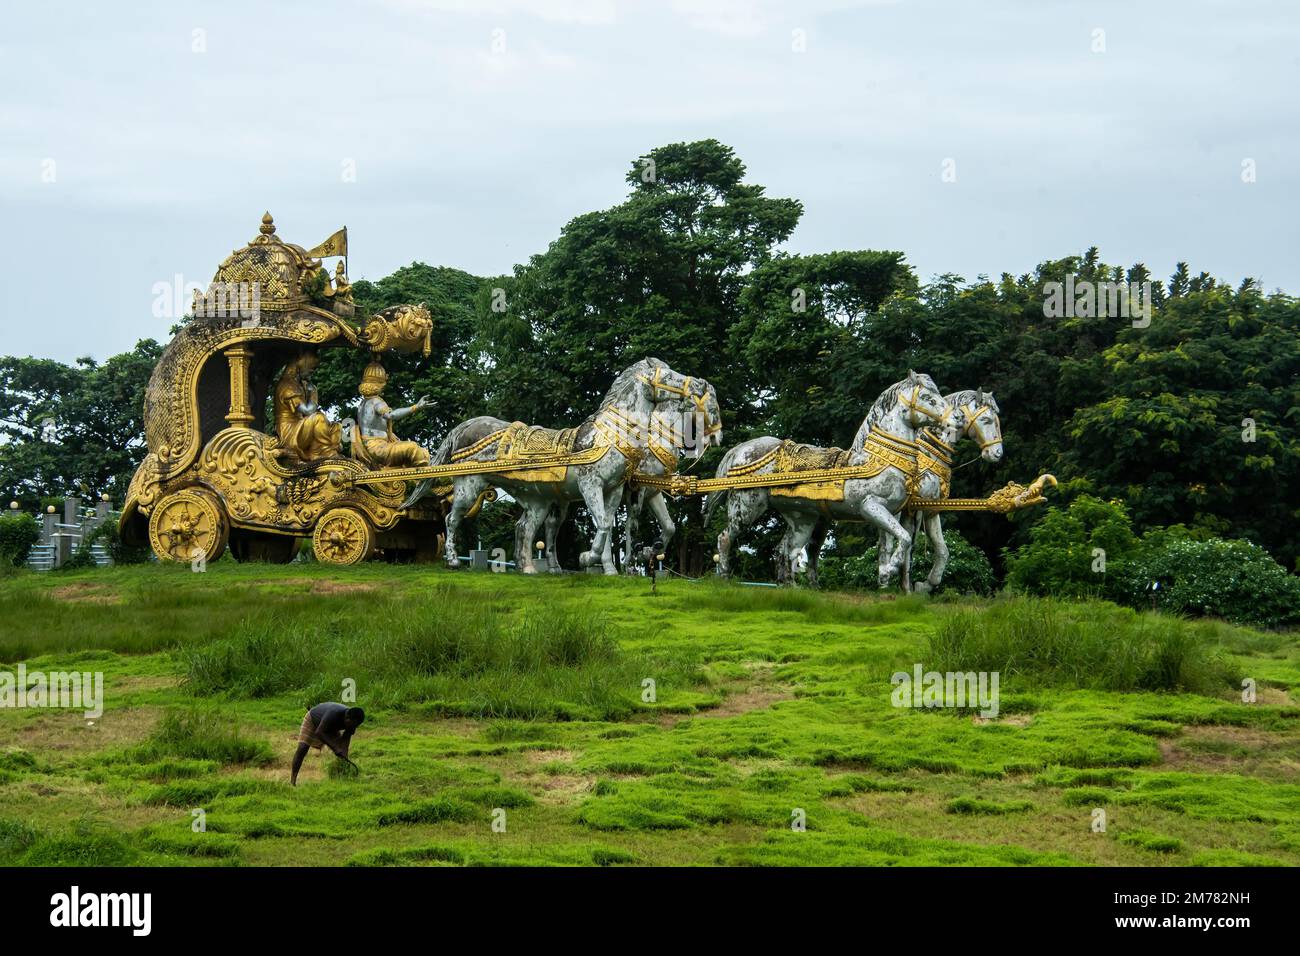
x=328, y=719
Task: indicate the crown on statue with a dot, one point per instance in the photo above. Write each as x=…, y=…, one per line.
x=373, y=379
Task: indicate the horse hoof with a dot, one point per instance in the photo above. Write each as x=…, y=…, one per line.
x=453, y=562
x=922, y=587
x=588, y=558
x=530, y=569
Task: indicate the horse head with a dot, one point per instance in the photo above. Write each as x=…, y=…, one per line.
x=984, y=425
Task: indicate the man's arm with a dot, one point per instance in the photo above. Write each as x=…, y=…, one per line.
x=297, y=763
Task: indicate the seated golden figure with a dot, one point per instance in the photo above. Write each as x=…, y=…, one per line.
x=375, y=423
x=300, y=425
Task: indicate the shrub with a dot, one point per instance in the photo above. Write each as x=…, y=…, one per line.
x=1235, y=580
x=968, y=571
x=17, y=535
x=118, y=549
x=1059, y=557
x=202, y=734
x=1092, y=644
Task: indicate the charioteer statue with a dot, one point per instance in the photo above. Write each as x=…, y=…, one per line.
x=375, y=423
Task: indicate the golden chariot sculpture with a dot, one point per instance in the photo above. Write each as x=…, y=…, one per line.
x=219, y=472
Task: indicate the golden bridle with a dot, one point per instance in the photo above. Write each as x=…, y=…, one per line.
x=911, y=402
x=700, y=401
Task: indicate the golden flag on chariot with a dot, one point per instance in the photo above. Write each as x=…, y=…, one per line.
x=335, y=245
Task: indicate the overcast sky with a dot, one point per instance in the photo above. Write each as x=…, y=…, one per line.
x=139, y=141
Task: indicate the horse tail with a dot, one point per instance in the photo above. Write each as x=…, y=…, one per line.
x=441, y=457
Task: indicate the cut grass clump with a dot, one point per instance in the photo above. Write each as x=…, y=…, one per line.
x=15, y=838
x=201, y=734
x=85, y=844
x=207, y=845
x=1151, y=841
x=974, y=807
x=1088, y=645
x=417, y=854
x=438, y=810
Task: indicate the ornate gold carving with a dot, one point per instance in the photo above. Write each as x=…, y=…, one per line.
x=171, y=400
x=1011, y=497
x=240, y=465
x=343, y=536
x=187, y=525
x=240, y=414
x=402, y=328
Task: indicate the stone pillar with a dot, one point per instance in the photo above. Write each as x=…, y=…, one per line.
x=48, y=522
x=72, y=510
x=102, y=507
x=240, y=414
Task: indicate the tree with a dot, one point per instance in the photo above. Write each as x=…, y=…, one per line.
x=73, y=428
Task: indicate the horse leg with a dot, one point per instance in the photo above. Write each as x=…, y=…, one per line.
x=912, y=522
x=659, y=508
x=934, y=531
x=613, y=498
x=635, y=502
x=555, y=517
x=815, y=549
x=884, y=546
x=592, y=489
x=743, y=509
x=465, y=492
x=796, y=539
x=784, y=573
x=875, y=511
x=533, y=514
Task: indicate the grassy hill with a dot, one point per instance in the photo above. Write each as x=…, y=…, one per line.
x=499, y=698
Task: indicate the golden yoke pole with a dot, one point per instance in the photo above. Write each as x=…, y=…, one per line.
x=240, y=414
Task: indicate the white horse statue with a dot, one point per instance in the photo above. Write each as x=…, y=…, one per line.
x=672, y=436
x=886, y=442
x=601, y=453
x=973, y=414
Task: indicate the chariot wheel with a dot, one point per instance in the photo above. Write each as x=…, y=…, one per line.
x=248, y=545
x=343, y=536
x=188, y=526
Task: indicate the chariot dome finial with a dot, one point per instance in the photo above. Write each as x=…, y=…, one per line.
x=268, y=225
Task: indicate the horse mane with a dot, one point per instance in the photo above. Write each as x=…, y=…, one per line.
x=887, y=400
x=971, y=396
x=626, y=380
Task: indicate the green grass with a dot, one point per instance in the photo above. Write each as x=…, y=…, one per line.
x=509, y=722
x=1090, y=645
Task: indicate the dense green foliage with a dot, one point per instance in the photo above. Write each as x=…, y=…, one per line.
x=72, y=429
x=1191, y=419
x=968, y=570
x=1070, y=550
x=1089, y=549
x=17, y=535
x=1236, y=580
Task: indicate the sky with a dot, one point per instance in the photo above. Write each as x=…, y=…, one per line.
x=140, y=142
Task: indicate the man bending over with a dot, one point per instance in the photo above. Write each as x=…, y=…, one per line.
x=326, y=725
